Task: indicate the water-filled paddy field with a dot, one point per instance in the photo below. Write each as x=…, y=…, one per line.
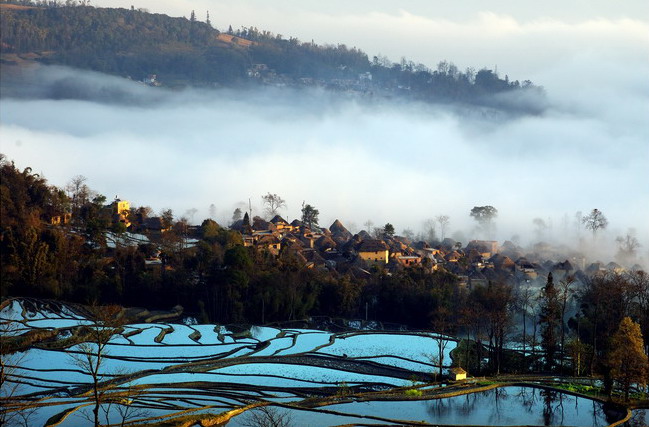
x=505, y=406
x=154, y=371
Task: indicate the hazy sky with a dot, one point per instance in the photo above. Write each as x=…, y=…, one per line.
x=401, y=164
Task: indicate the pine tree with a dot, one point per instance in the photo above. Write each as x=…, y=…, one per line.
x=310, y=216
x=627, y=358
x=207, y=21
x=550, y=320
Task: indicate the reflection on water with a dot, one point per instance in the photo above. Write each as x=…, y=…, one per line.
x=640, y=418
x=503, y=406
x=520, y=405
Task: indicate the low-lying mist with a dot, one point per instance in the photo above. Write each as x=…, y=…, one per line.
x=355, y=159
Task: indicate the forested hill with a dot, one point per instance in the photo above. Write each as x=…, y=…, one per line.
x=183, y=51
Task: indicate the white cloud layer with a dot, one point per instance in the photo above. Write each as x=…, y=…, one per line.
x=352, y=160
x=385, y=162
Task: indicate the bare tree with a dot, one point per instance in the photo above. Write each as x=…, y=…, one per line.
x=408, y=234
x=577, y=351
x=14, y=409
x=191, y=213
x=565, y=291
x=267, y=416
x=273, y=203
x=540, y=228
x=627, y=247
x=442, y=325
x=377, y=233
x=143, y=212
x=485, y=216
x=565, y=224
x=123, y=400
x=525, y=297
x=429, y=230
x=465, y=320
x=90, y=354
x=8, y=389
x=639, y=285
x=78, y=192
x=369, y=225
x=444, y=222
x=536, y=310
x=579, y=221
x=595, y=221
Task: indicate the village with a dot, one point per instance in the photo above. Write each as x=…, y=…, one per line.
x=337, y=250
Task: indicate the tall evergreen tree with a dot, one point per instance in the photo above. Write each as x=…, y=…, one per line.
x=310, y=216
x=550, y=320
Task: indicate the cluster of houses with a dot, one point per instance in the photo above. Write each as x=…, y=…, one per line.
x=116, y=212
x=336, y=248
x=332, y=248
x=477, y=263
x=360, y=84
x=120, y=212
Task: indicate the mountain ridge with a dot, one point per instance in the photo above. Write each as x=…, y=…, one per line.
x=180, y=52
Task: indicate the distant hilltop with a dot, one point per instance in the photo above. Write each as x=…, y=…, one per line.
x=179, y=51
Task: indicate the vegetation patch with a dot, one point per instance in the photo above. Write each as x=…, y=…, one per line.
x=195, y=336
x=580, y=388
x=60, y=417
x=162, y=334
x=413, y=392
x=486, y=383
x=26, y=340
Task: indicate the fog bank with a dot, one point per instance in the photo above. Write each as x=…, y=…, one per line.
x=352, y=159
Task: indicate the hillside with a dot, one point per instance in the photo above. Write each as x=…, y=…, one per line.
x=182, y=51
x=123, y=42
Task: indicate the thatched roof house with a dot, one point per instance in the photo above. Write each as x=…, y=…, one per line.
x=339, y=232
x=502, y=262
x=373, y=251
x=324, y=243
x=258, y=223
x=458, y=374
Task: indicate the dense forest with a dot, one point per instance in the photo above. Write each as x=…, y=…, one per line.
x=180, y=51
x=218, y=279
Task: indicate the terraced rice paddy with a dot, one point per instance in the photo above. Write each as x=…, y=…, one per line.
x=154, y=372
x=169, y=368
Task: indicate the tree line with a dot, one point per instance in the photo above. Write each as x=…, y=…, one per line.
x=133, y=42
